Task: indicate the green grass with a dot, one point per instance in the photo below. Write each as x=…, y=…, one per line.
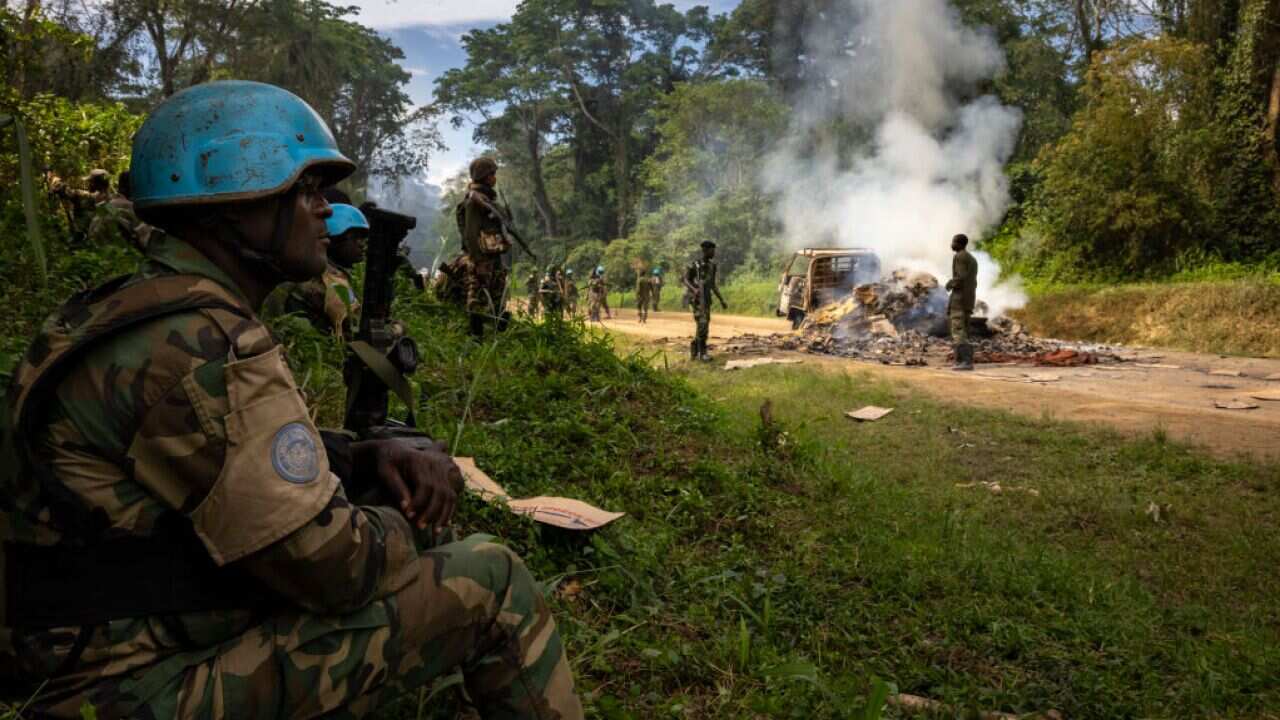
x=788, y=571
x=1237, y=317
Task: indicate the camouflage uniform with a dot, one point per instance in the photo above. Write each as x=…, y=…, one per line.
x=702, y=275
x=552, y=300
x=597, y=297
x=115, y=221
x=655, y=299
x=192, y=420
x=81, y=206
x=570, y=295
x=329, y=301
x=533, y=287
x=964, y=289
x=486, y=278
x=644, y=295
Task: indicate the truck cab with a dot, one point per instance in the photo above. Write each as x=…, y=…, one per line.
x=815, y=277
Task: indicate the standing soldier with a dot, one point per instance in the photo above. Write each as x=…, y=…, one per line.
x=115, y=220
x=180, y=531
x=963, y=287
x=700, y=283
x=570, y=294
x=655, y=297
x=329, y=301
x=484, y=238
x=533, y=289
x=644, y=296
x=81, y=204
x=552, y=299
x=598, y=295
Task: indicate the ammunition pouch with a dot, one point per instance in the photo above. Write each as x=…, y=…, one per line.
x=494, y=243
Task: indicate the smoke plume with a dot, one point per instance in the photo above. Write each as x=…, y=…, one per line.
x=931, y=164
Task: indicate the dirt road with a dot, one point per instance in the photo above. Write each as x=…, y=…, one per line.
x=1178, y=394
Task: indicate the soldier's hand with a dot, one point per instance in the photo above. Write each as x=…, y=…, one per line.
x=724, y=305
x=423, y=482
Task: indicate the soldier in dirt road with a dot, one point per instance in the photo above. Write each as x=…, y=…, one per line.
x=701, y=281
x=963, y=287
x=181, y=531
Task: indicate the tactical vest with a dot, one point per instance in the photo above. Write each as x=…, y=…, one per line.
x=90, y=579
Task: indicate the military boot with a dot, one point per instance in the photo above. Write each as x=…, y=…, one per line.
x=964, y=357
x=702, y=352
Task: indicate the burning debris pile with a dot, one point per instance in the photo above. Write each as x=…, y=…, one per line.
x=902, y=320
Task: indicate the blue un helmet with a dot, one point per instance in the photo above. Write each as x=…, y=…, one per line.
x=343, y=219
x=657, y=272
x=230, y=141
x=599, y=269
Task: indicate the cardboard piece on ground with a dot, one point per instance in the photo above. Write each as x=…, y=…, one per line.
x=870, y=413
x=1271, y=395
x=1158, y=366
x=742, y=364
x=1235, y=405
x=1226, y=373
x=557, y=511
x=1272, y=377
x=1043, y=378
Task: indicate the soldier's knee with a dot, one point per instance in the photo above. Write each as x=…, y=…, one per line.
x=498, y=569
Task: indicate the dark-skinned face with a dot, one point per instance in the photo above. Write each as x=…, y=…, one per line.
x=348, y=248
x=305, y=251
x=708, y=253
x=492, y=180
x=957, y=246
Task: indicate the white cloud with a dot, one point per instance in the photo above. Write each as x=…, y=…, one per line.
x=402, y=13
x=417, y=71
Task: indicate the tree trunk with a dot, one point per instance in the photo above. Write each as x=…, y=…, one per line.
x=621, y=173
x=533, y=140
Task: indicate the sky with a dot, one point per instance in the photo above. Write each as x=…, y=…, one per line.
x=430, y=32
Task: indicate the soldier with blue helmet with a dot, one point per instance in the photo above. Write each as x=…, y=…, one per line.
x=330, y=301
x=655, y=298
x=598, y=295
x=180, y=529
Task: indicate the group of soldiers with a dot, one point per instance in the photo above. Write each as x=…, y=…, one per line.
x=180, y=540
x=99, y=214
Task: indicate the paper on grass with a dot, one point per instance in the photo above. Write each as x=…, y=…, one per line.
x=870, y=413
x=560, y=512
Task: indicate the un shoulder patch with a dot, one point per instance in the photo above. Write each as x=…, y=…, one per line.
x=294, y=454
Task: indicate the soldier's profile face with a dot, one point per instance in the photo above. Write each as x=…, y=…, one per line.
x=348, y=248
x=305, y=250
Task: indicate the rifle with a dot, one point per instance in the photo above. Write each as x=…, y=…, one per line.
x=507, y=229
x=379, y=360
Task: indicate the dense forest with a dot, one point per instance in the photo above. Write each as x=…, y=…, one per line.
x=1082, y=140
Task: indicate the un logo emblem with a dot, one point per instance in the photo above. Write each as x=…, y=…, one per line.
x=294, y=454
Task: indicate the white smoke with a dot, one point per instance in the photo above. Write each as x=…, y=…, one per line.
x=933, y=165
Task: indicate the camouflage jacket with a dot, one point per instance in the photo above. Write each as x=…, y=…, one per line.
x=329, y=301
x=192, y=417
x=115, y=221
x=702, y=276
x=597, y=288
x=479, y=220
x=964, y=282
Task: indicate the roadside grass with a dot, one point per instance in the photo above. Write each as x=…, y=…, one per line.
x=1136, y=583
x=1235, y=317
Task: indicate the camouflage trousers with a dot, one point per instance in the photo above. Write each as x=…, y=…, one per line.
x=485, y=284
x=473, y=605
x=594, y=304
x=702, y=321
x=959, y=320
